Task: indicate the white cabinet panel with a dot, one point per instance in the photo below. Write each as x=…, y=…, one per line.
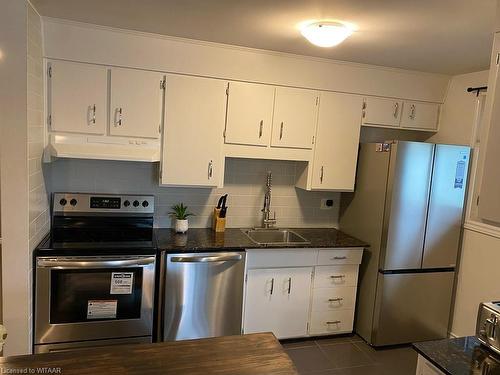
x=136, y=103
x=77, y=97
x=337, y=142
x=249, y=113
x=424, y=367
x=193, y=131
x=382, y=111
x=294, y=118
x=337, y=298
x=277, y=300
x=267, y=258
x=417, y=115
x=328, y=276
x=331, y=322
x=340, y=256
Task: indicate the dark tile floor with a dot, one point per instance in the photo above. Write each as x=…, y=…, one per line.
x=349, y=355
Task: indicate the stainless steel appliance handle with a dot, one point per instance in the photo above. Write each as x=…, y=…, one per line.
x=84, y=263
x=206, y=258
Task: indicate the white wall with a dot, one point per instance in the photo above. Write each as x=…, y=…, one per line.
x=102, y=45
x=458, y=110
x=244, y=182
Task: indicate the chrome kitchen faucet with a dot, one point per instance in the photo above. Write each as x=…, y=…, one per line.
x=267, y=221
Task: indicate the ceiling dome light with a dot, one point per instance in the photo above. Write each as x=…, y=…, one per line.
x=326, y=33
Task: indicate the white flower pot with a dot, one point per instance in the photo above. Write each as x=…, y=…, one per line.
x=181, y=226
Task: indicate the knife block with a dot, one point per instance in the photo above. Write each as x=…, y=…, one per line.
x=218, y=223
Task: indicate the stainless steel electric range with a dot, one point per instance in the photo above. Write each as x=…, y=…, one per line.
x=95, y=273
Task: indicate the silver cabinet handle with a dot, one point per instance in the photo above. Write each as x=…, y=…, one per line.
x=210, y=169
x=272, y=286
x=118, y=113
x=338, y=299
x=413, y=111
x=206, y=258
x=337, y=276
x=85, y=263
x=92, y=118
x=321, y=174
x=339, y=258
x=289, y=285
x=334, y=322
x=261, y=128
x=281, y=130
x=396, y=109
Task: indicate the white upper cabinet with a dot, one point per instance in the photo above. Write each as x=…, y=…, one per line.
x=77, y=97
x=136, y=103
x=421, y=116
x=294, y=119
x=382, y=112
x=249, y=113
x=193, y=131
x=337, y=142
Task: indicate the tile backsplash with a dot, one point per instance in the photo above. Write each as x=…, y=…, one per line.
x=244, y=181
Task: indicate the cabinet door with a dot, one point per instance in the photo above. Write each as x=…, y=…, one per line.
x=136, y=103
x=337, y=142
x=294, y=119
x=277, y=300
x=192, y=138
x=77, y=97
x=249, y=113
x=382, y=112
x=423, y=116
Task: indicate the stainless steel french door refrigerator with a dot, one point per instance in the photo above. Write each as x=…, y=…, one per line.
x=408, y=205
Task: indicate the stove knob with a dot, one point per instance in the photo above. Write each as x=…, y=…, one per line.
x=63, y=202
x=145, y=204
x=126, y=203
x=136, y=203
x=73, y=202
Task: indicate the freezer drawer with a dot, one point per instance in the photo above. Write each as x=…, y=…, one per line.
x=412, y=307
x=203, y=295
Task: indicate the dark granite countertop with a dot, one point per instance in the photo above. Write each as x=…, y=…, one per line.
x=460, y=356
x=205, y=239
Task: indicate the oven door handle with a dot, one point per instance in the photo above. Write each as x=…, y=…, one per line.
x=83, y=263
x=206, y=258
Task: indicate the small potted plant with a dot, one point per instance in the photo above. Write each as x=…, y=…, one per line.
x=180, y=213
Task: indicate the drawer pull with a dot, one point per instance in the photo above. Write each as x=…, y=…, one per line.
x=337, y=276
x=334, y=322
x=338, y=258
x=338, y=299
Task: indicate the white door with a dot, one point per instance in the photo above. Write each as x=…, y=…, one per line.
x=382, y=112
x=77, y=97
x=337, y=142
x=136, y=103
x=277, y=300
x=249, y=113
x=417, y=115
x=294, y=119
x=195, y=110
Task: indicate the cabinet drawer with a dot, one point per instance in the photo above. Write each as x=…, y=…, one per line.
x=338, y=298
x=340, y=256
x=329, y=276
x=331, y=322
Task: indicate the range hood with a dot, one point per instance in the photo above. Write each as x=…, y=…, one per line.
x=103, y=147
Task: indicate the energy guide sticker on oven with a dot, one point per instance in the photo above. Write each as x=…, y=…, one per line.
x=121, y=282
x=101, y=309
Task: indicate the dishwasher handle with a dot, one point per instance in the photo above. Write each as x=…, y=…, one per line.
x=206, y=258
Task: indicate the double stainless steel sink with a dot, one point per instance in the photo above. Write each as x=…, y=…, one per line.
x=274, y=236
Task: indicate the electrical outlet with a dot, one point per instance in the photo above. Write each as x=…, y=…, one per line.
x=326, y=204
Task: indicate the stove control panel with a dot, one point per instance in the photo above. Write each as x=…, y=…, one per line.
x=104, y=203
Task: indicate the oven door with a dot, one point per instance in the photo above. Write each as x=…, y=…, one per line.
x=92, y=298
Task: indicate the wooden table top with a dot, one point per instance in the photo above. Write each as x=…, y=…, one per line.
x=259, y=353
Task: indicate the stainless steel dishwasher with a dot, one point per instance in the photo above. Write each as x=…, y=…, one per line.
x=203, y=294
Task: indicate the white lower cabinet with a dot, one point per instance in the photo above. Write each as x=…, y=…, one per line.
x=280, y=301
x=424, y=367
x=300, y=297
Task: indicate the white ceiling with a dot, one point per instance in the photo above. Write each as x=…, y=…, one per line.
x=442, y=36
